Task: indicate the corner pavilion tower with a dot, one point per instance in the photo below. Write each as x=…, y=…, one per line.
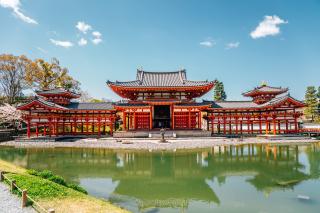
x=161, y=100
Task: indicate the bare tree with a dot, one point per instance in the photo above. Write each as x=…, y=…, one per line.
x=12, y=75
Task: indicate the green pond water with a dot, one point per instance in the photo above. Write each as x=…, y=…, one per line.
x=249, y=178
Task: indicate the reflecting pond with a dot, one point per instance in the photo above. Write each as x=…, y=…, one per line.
x=248, y=178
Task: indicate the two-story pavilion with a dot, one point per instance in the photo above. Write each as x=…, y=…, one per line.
x=157, y=100
x=161, y=100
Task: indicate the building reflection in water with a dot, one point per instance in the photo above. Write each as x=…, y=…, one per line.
x=173, y=179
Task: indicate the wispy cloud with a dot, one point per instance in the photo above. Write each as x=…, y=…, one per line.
x=42, y=50
x=83, y=27
x=232, y=45
x=97, y=37
x=15, y=5
x=208, y=43
x=65, y=44
x=268, y=27
x=82, y=42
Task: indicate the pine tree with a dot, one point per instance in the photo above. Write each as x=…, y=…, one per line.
x=312, y=103
x=219, y=93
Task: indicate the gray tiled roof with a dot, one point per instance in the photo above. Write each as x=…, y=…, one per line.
x=250, y=104
x=160, y=79
x=128, y=104
x=56, y=91
x=263, y=89
x=235, y=104
x=91, y=106
x=44, y=102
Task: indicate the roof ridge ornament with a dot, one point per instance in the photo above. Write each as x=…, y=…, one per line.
x=264, y=83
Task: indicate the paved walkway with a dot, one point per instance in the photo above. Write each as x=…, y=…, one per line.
x=10, y=203
x=154, y=144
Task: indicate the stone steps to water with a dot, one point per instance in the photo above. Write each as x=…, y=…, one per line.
x=168, y=134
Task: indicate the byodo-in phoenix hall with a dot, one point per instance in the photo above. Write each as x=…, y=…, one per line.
x=156, y=100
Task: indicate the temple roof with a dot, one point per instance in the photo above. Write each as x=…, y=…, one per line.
x=41, y=101
x=265, y=90
x=57, y=91
x=160, y=79
x=91, y=106
x=250, y=104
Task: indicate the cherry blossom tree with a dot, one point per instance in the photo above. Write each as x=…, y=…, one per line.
x=10, y=115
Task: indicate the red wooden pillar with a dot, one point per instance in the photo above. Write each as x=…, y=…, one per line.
x=44, y=130
x=260, y=125
x=99, y=125
x=199, y=120
x=49, y=127
x=71, y=128
x=241, y=127
x=134, y=120
x=295, y=124
x=224, y=124
x=63, y=126
x=267, y=126
x=87, y=125
x=28, y=128
x=189, y=121
x=279, y=127
x=274, y=126
x=212, y=124
x=150, y=124
x=236, y=120
x=75, y=125
x=287, y=127
x=124, y=119
x=37, y=130
x=130, y=121
x=111, y=127
x=173, y=117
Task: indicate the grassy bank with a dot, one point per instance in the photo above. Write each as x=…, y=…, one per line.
x=53, y=195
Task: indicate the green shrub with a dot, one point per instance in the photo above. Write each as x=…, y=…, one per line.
x=57, y=179
x=46, y=174
x=33, y=172
x=77, y=188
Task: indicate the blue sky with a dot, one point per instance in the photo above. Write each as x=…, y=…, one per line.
x=238, y=42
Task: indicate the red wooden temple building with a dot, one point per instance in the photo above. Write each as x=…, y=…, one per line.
x=157, y=100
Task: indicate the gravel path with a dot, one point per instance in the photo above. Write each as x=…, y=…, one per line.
x=10, y=203
x=154, y=144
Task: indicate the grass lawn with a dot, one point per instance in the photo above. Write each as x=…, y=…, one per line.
x=52, y=195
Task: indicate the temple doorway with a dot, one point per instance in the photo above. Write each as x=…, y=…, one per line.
x=161, y=116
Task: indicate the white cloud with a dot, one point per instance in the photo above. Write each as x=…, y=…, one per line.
x=232, y=45
x=65, y=44
x=268, y=27
x=83, y=27
x=82, y=42
x=96, y=40
x=96, y=34
x=15, y=6
x=208, y=43
x=97, y=37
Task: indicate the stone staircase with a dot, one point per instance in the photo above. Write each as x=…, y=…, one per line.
x=168, y=134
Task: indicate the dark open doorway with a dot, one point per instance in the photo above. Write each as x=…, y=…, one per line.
x=161, y=116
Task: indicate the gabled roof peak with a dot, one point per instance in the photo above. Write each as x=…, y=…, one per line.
x=265, y=89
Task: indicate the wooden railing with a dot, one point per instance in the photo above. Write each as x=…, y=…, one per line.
x=24, y=195
x=310, y=130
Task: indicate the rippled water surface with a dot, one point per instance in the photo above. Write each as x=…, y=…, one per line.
x=249, y=178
